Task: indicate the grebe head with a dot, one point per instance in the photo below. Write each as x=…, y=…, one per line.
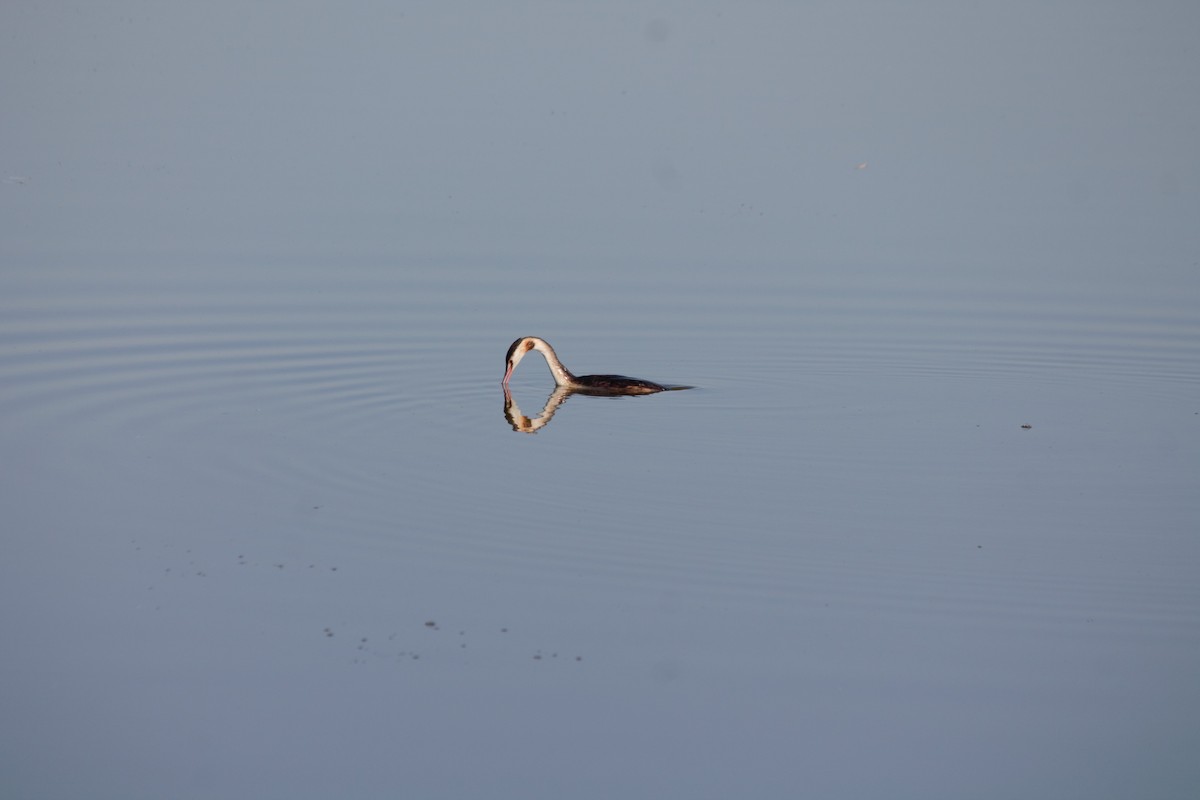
x=517, y=351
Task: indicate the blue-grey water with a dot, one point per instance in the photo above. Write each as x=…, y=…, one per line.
x=927, y=526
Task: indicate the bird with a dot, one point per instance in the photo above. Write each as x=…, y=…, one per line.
x=584, y=384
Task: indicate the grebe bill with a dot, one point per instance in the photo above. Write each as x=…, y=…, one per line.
x=597, y=384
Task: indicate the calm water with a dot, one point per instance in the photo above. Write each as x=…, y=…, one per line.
x=285, y=507
x=927, y=527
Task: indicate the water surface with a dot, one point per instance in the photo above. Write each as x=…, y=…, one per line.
x=288, y=507
x=925, y=527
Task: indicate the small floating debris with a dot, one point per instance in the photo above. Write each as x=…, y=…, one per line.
x=1027, y=426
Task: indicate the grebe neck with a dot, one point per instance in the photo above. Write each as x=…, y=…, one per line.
x=562, y=375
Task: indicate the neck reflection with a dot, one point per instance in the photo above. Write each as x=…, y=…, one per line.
x=522, y=423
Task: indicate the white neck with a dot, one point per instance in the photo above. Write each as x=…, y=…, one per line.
x=562, y=375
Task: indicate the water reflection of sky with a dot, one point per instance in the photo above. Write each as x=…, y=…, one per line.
x=999, y=137
x=270, y=528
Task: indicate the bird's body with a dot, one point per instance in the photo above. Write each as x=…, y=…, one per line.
x=584, y=384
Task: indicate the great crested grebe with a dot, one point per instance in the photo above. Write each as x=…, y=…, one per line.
x=593, y=384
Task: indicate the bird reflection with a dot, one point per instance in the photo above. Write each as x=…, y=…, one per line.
x=566, y=384
x=525, y=424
